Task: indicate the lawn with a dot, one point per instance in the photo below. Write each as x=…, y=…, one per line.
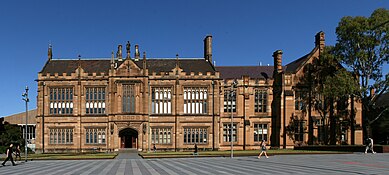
x=69, y=156
x=228, y=153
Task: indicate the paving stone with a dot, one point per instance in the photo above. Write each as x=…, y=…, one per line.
x=280, y=164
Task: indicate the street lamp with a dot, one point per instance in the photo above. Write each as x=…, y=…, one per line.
x=232, y=94
x=25, y=95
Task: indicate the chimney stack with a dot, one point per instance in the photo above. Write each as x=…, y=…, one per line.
x=144, y=63
x=137, y=55
x=119, y=54
x=372, y=92
x=277, y=55
x=50, y=53
x=320, y=41
x=208, y=48
x=128, y=47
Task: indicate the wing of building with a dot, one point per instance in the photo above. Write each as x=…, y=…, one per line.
x=172, y=103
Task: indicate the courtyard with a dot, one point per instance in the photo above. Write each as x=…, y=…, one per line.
x=356, y=163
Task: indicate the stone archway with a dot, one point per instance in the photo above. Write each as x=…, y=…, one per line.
x=128, y=138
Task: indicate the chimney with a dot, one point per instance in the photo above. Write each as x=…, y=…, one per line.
x=112, y=59
x=119, y=53
x=277, y=55
x=320, y=41
x=128, y=47
x=137, y=55
x=50, y=53
x=208, y=48
x=144, y=63
x=372, y=93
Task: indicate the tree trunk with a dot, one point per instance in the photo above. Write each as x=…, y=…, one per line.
x=332, y=123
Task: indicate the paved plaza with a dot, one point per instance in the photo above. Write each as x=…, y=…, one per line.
x=281, y=164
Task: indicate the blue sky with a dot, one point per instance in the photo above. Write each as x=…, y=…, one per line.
x=244, y=32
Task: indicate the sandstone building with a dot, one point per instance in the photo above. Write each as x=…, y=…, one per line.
x=174, y=103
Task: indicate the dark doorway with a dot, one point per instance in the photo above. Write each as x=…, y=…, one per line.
x=129, y=138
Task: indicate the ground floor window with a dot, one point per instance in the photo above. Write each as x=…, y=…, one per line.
x=195, y=135
x=61, y=135
x=161, y=135
x=260, y=132
x=299, y=130
x=95, y=136
x=227, y=132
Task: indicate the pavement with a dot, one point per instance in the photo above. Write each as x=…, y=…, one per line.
x=128, y=154
x=279, y=164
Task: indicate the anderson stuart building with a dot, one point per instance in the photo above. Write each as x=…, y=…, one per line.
x=174, y=103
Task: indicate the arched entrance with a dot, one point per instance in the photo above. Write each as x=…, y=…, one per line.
x=129, y=138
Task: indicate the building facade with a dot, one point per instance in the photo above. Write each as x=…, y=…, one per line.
x=175, y=103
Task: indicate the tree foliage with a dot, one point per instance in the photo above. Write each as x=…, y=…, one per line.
x=363, y=47
x=11, y=134
x=328, y=86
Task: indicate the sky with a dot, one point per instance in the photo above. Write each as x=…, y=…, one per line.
x=245, y=32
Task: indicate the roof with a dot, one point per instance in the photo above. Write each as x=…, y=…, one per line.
x=20, y=118
x=295, y=65
x=187, y=65
x=236, y=72
x=70, y=66
x=383, y=100
x=103, y=66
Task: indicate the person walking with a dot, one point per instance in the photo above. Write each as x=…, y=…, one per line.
x=17, y=153
x=9, y=155
x=195, y=150
x=369, y=145
x=154, y=148
x=263, y=149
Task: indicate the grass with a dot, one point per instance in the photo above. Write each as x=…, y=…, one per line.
x=236, y=153
x=69, y=156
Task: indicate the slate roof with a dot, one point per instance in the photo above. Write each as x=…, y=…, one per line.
x=295, y=65
x=187, y=65
x=236, y=72
x=69, y=66
x=154, y=65
x=383, y=100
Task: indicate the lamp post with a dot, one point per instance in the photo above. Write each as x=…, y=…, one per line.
x=25, y=95
x=233, y=85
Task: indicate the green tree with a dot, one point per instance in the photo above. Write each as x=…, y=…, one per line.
x=328, y=86
x=12, y=134
x=363, y=46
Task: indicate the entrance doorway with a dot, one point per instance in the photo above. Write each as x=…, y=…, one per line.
x=129, y=138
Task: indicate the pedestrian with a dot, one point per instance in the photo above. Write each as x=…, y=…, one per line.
x=369, y=145
x=154, y=148
x=195, y=150
x=9, y=155
x=263, y=149
x=17, y=153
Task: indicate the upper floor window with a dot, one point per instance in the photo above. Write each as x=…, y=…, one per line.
x=260, y=100
x=95, y=100
x=195, y=100
x=161, y=100
x=128, y=98
x=61, y=100
x=229, y=100
x=299, y=100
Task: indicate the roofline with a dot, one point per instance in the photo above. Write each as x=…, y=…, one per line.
x=163, y=58
x=309, y=55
